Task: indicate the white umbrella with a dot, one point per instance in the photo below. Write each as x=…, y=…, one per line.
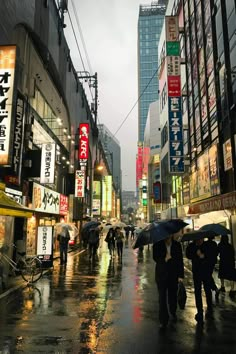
x=119, y=224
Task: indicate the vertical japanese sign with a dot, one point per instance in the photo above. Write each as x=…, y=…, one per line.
x=7, y=74
x=176, y=150
x=79, y=183
x=83, y=141
x=227, y=153
x=107, y=193
x=44, y=245
x=96, y=197
x=48, y=163
x=18, y=137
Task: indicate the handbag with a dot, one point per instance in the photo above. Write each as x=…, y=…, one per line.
x=181, y=296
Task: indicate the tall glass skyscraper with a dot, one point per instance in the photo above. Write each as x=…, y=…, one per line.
x=151, y=18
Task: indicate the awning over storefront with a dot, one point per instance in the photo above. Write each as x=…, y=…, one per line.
x=11, y=208
x=221, y=202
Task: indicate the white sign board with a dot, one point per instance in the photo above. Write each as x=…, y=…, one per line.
x=45, y=200
x=44, y=242
x=48, y=163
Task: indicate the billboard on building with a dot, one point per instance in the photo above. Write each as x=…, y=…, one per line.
x=45, y=200
x=83, y=141
x=107, y=194
x=7, y=76
x=96, y=198
x=48, y=156
x=79, y=183
x=176, y=146
x=18, y=137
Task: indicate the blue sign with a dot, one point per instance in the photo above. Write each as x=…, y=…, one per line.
x=176, y=164
x=175, y=104
x=176, y=146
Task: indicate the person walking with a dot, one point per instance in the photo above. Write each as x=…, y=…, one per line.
x=227, y=264
x=93, y=241
x=63, y=237
x=213, y=251
x=111, y=241
x=201, y=256
x=169, y=271
x=119, y=242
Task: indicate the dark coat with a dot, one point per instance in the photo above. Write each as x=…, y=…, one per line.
x=227, y=261
x=201, y=265
x=174, y=268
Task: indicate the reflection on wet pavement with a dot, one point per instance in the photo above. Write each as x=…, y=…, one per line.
x=105, y=306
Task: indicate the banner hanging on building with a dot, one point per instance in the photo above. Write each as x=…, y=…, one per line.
x=79, y=183
x=176, y=146
x=48, y=163
x=7, y=75
x=45, y=200
x=83, y=141
x=18, y=137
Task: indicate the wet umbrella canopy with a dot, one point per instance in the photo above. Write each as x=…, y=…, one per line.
x=218, y=229
x=197, y=235
x=90, y=224
x=158, y=231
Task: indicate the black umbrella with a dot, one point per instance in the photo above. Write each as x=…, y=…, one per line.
x=90, y=224
x=218, y=229
x=172, y=225
x=197, y=235
x=153, y=233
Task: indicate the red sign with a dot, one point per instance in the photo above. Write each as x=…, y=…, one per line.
x=83, y=141
x=139, y=165
x=79, y=183
x=12, y=180
x=225, y=201
x=157, y=192
x=174, y=86
x=63, y=204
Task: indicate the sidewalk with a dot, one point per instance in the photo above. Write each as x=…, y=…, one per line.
x=16, y=282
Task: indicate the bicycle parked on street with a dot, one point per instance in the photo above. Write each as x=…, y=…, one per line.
x=29, y=267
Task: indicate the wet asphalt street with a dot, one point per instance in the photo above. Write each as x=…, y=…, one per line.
x=104, y=306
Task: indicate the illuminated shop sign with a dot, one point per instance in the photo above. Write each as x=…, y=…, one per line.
x=7, y=74
x=175, y=120
x=83, y=141
x=45, y=200
x=107, y=193
x=44, y=240
x=63, y=205
x=79, y=183
x=48, y=163
x=18, y=137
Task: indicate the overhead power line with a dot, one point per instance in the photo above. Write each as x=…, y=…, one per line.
x=81, y=36
x=127, y=116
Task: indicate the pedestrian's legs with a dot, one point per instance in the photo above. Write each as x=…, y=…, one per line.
x=65, y=253
x=163, y=310
x=61, y=253
x=198, y=294
x=207, y=288
x=118, y=245
x=172, y=297
x=90, y=250
x=94, y=250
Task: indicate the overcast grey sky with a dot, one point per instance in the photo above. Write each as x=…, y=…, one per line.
x=109, y=29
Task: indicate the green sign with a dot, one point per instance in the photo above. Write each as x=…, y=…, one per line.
x=172, y=49
x=144, y=202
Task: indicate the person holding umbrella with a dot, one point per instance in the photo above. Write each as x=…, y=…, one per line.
x=226, y=264
x=201, y=256
x=168, y=256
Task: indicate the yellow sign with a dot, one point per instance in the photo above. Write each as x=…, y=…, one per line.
x=7, y=74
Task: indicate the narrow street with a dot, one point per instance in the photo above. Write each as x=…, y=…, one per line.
x=104, y=306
